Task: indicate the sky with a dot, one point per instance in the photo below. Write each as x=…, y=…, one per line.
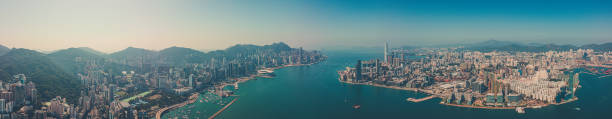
x=112, y=25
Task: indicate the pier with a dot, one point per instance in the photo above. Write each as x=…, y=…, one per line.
x=422, y=99
x=226, y=106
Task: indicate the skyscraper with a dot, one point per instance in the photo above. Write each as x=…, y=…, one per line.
x=191, y=80
x=386, y=51
x=358, y=71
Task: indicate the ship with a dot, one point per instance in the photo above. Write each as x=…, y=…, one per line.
x=520, y=110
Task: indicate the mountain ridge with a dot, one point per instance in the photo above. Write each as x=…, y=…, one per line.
x=3, y=49
x=494, y=45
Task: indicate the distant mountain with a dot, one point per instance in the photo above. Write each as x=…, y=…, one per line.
x=143, y=59
x=3, y=50
x=241, y=48
x=169, y=56
x=131, y=52
x=133, y=55
x=409, y=47
x=280, y=46
x=45, y=51
x=50, y=79
x=92, y=51
x=600, y=47
x=77, y=52
x=494, y=45
x=535, y=44
x=179, y=55
x=73, y=60
x=246, y=49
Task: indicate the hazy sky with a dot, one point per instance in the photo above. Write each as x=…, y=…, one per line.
x=112, y=25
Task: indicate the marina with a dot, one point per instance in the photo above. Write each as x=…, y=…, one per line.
x=192, y=99
x=223, y=109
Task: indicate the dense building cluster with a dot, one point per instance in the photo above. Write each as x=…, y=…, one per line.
x=17, y=97
x=111, y=94
x=480, y=78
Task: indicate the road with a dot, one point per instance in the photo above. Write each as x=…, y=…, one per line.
x=192, y=99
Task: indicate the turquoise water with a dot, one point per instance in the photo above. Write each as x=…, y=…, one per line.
x=313, y=92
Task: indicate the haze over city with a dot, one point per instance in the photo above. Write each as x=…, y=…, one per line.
x=305, y=59
x=112, y=25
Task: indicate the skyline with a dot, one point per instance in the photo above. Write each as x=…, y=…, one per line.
x=110, y=26
x=311, y=59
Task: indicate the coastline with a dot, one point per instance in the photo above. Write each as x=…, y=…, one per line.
x=478, y=107
x=392, y=87
x=160, y=112
x=456, y=105
x=253, y=76
x=247, y=78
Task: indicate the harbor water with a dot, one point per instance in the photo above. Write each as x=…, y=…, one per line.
x=313, y=92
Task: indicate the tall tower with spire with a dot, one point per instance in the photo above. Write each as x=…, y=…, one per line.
x=386, y=51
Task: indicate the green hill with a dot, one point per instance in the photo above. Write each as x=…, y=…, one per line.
x=74, y=60
x=92, y=51
x=3, y=50
x=180, y=55
x=247, y=49
x=50, y=79
x=133, y=55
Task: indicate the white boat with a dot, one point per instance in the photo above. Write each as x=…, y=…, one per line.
x=520, y=110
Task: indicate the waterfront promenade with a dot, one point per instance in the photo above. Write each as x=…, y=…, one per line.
x=480, y=107
x=432, y=95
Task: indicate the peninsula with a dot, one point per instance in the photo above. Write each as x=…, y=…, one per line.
x=469, y=78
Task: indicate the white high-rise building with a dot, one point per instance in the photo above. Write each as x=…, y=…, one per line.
x=190, y=80
x=386, y=50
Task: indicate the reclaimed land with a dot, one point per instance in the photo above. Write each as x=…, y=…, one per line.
x=456, y=105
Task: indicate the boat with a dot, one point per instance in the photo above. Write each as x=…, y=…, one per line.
x=520, y=110
x=356, y=106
